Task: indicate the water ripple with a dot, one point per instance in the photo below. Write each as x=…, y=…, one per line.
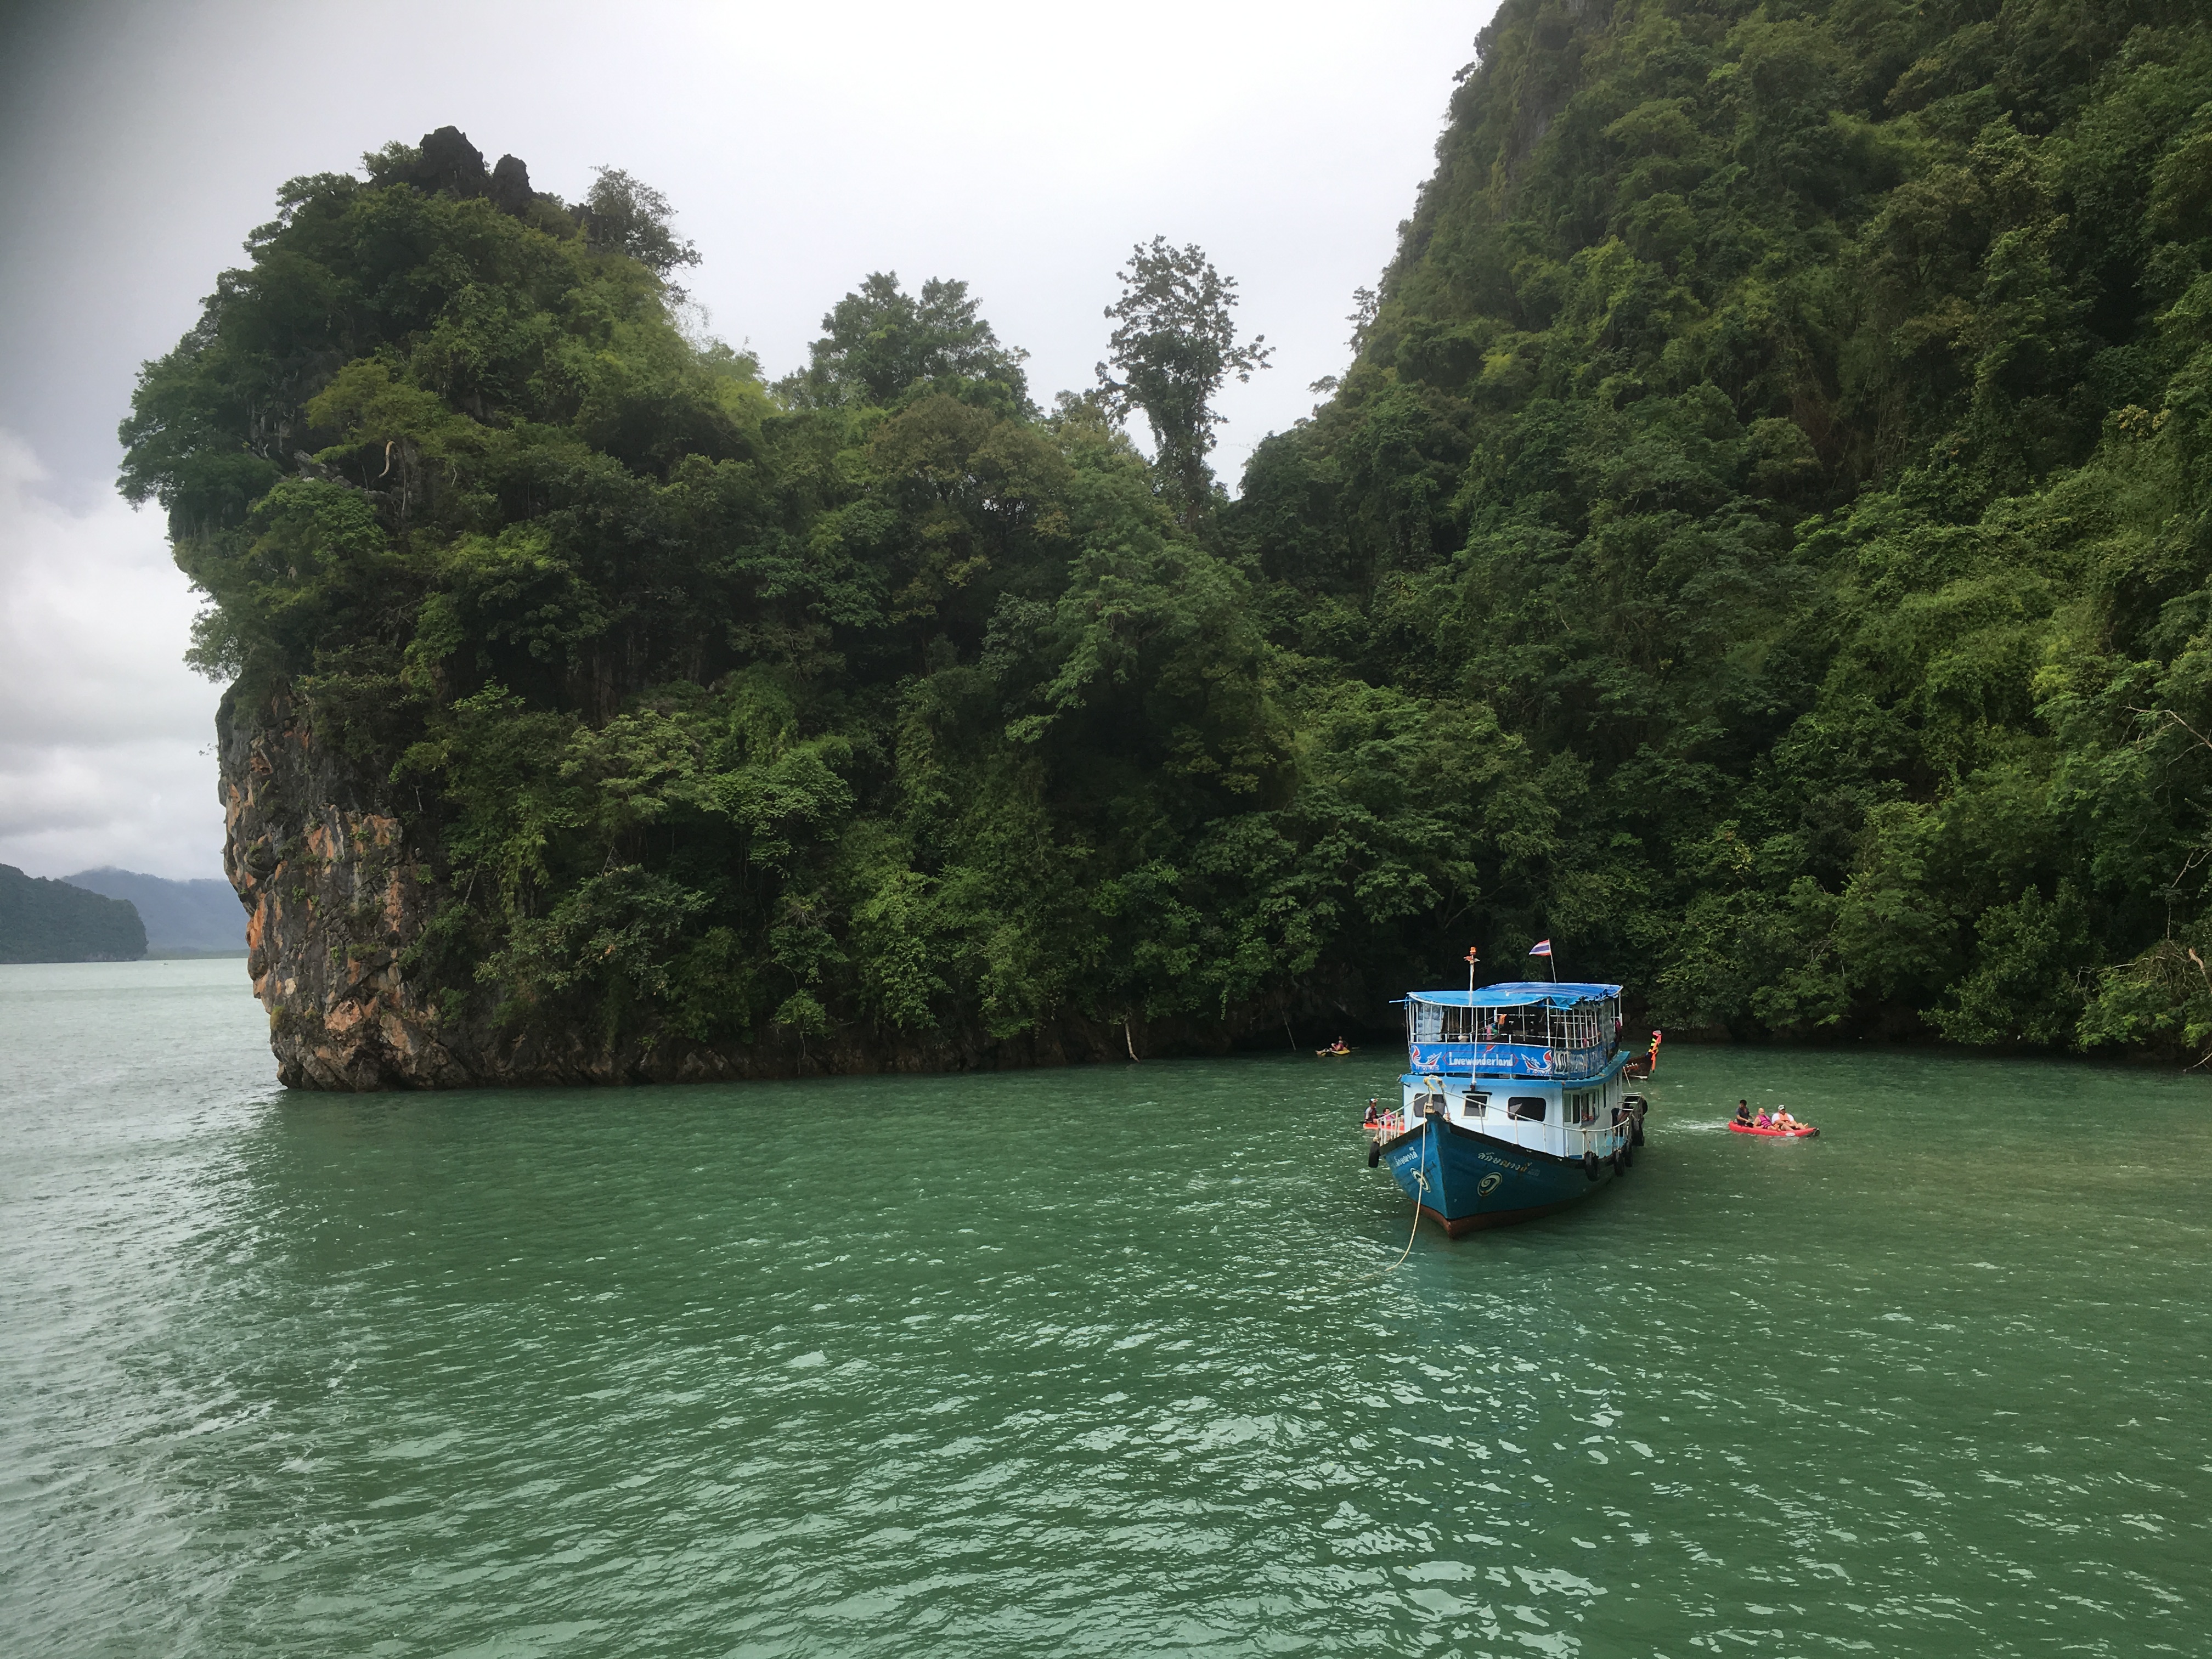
x=1094, y=1361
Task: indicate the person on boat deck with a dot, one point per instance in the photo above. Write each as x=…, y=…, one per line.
x=1743, y=1112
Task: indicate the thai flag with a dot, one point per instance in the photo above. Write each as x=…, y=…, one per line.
x=1542, y=947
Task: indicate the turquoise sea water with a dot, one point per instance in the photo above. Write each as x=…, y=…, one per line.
x=1083, y=1362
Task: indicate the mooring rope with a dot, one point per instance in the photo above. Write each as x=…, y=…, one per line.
x=1420, y=1175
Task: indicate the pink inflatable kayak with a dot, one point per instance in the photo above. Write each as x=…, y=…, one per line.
x=1799, y=1133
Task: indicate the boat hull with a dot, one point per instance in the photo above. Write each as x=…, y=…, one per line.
x=1465, y=1180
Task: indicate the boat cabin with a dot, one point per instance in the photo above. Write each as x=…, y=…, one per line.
x=1526, y=1029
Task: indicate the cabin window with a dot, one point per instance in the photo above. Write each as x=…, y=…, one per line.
x=1528, y=1107
x=1477, y=1105
x=1429, y=1105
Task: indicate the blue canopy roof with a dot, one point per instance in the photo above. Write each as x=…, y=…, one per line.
x=1521, y=993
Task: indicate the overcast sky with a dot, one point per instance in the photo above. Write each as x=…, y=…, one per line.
x=1023, y=148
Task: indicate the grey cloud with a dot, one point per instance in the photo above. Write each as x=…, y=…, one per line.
x=102, y=728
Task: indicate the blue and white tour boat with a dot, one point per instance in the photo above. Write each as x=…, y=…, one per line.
x=1515, y=1102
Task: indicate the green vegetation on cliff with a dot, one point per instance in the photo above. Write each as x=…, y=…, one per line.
x=1794, y=423
x=1760, y=541
x=43, y=920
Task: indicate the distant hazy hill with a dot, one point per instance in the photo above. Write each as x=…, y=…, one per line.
x=179, y=915
x=44, y=920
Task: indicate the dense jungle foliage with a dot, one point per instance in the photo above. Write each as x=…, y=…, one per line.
x=1760, y=542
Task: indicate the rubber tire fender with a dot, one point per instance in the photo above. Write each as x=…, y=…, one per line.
x=1374, y=1154
x=1620, y=1163
x=1590, y=1165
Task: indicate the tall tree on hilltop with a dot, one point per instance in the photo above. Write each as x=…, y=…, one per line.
x=630, y=217
x=880, y=343
x=1176, y=345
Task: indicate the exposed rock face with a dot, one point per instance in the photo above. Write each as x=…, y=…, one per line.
x=510, y=185
x=336, y=891
x=451, y=163
x=332, y=898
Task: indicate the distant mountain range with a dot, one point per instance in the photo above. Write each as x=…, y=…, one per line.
x=43, y=920
x=182, y=918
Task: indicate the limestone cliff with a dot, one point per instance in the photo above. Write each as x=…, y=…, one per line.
x=333, y=897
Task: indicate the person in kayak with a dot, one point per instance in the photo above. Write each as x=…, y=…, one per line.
x=1373, y=1116
x=1743, y=1112
x=1762, y=1122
